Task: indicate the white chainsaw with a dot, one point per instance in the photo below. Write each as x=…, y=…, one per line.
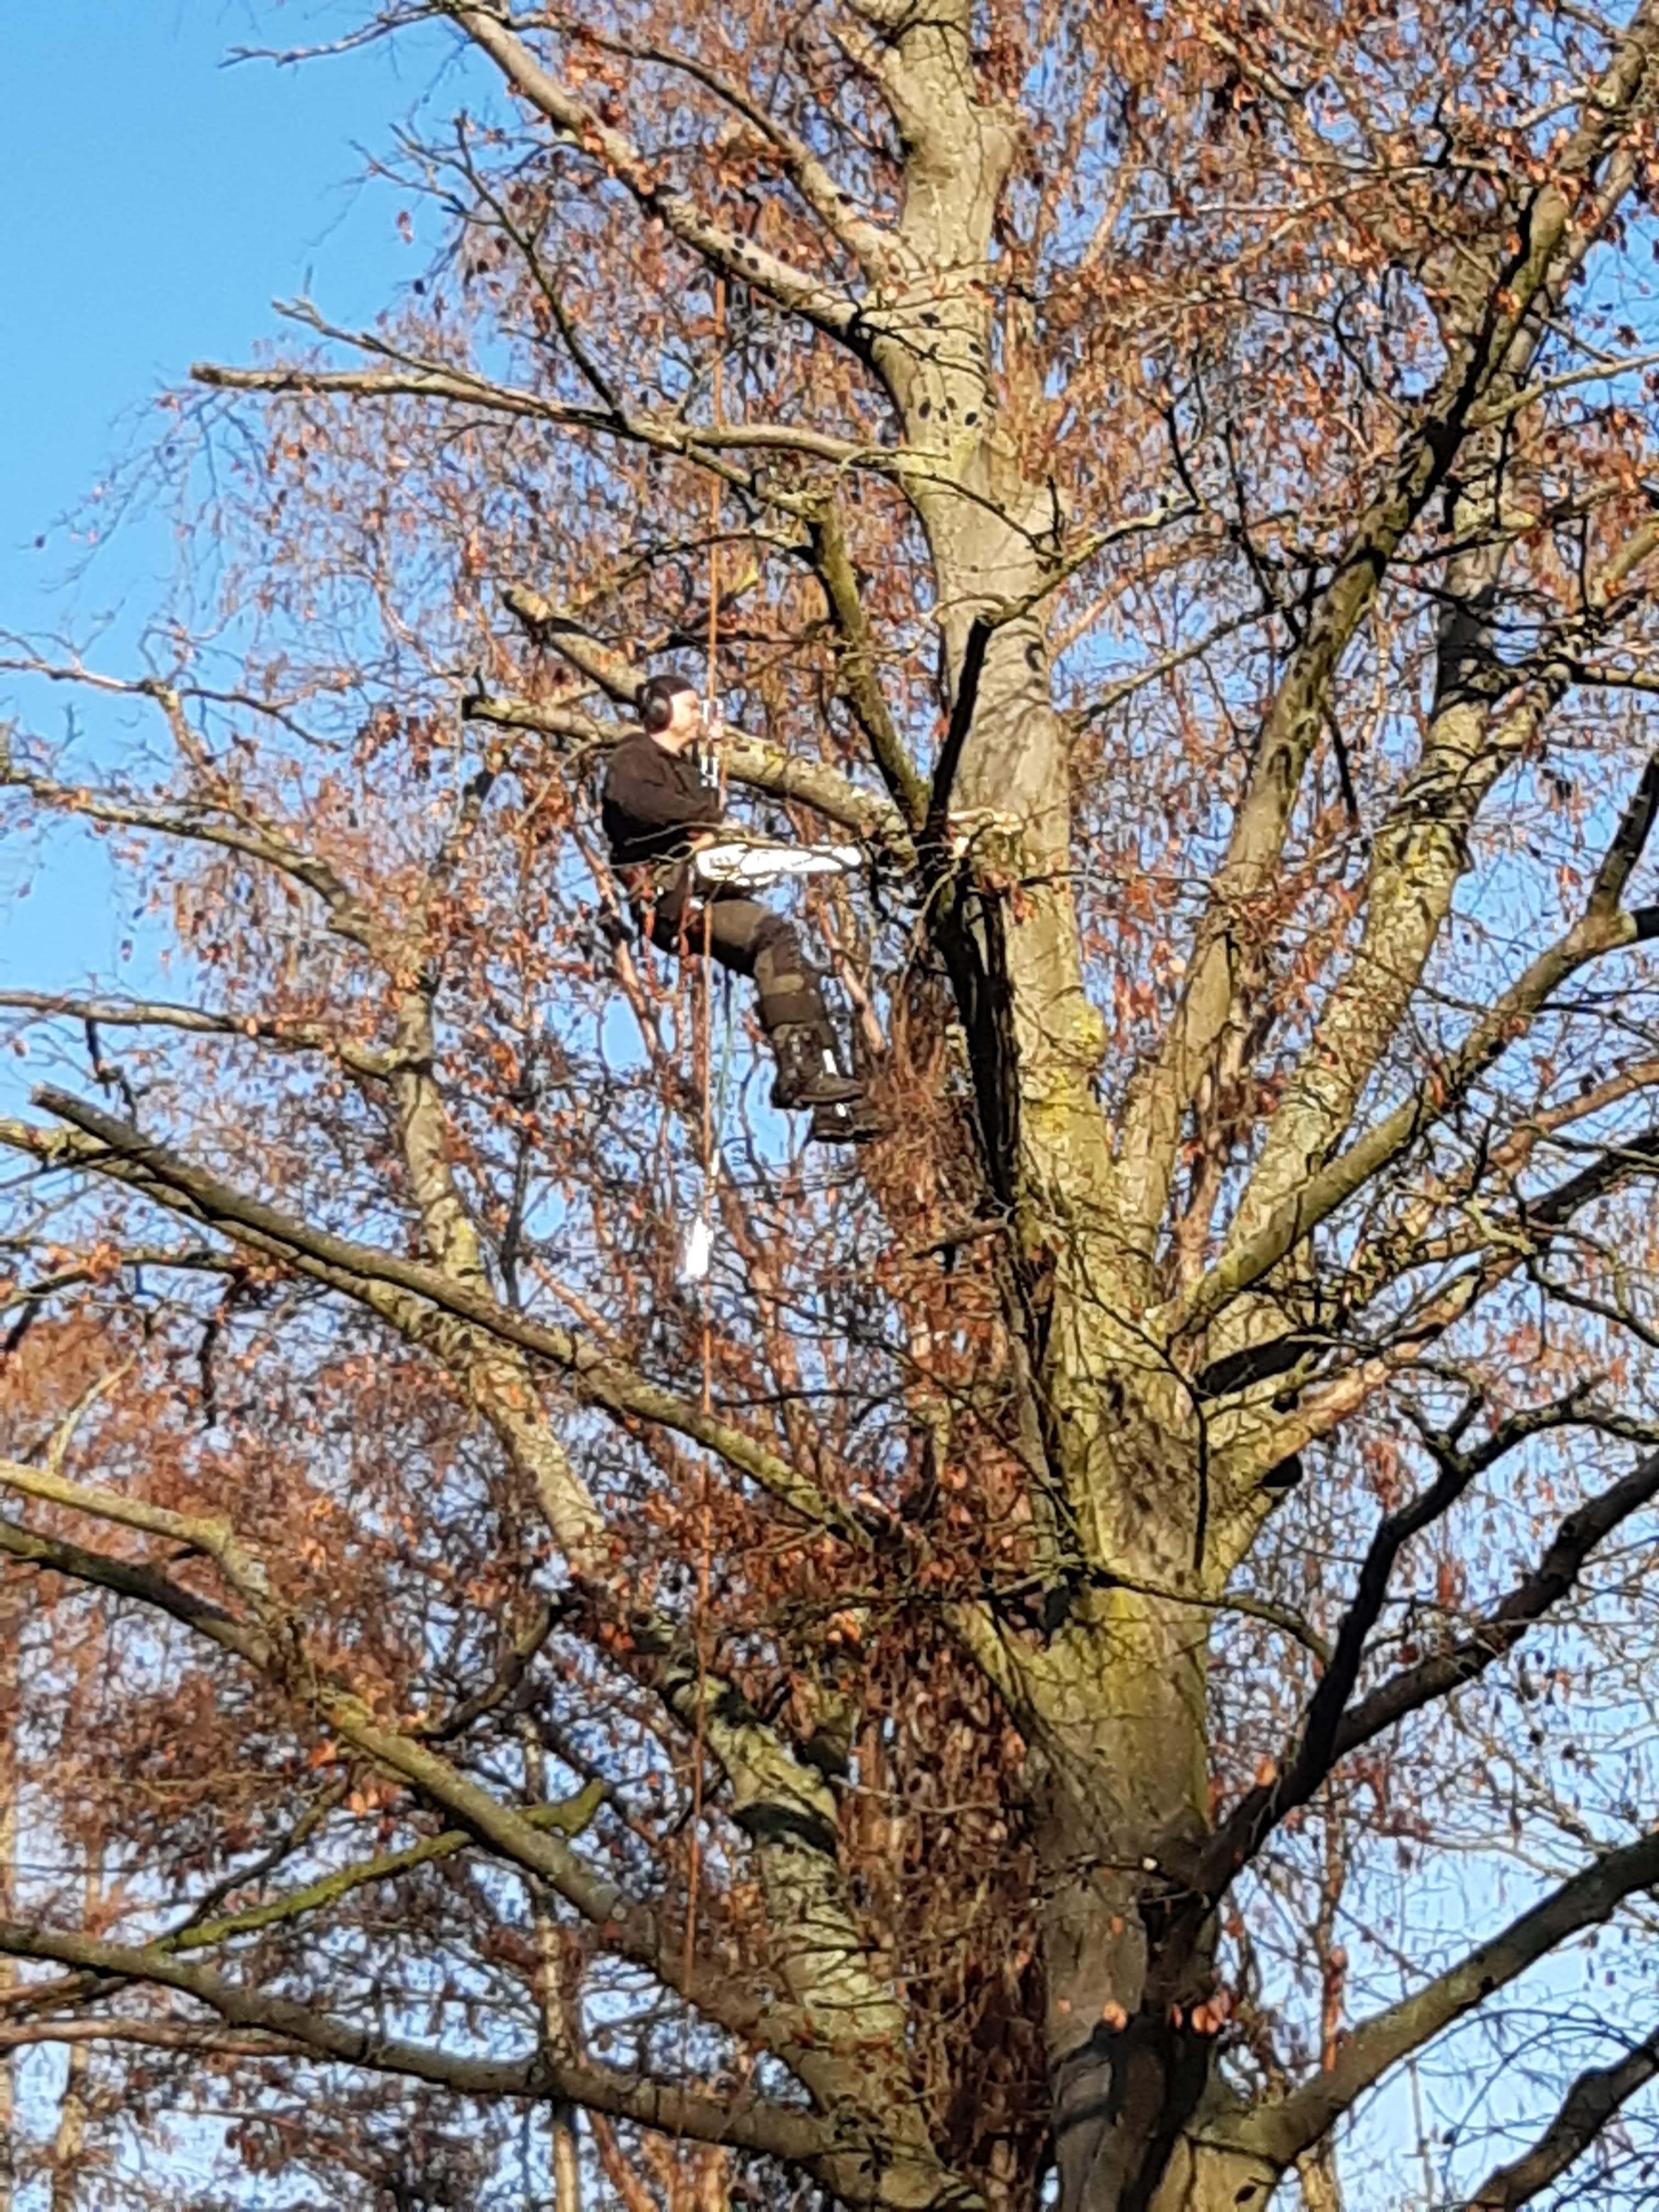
x=756, y=866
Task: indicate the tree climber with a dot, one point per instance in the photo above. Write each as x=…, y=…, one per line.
x=657, y=811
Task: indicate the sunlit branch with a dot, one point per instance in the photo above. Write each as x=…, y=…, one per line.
x=276, y=1652
x=856, y=666
x=1517, y=290
x=569, y=1818
x=1601, y=929
x=686, y=441
x=1589, y=2106
x=118, y=1151
x=548, y=2073
x=1284, y=2130
x=348, y=916
x=215, y=1538
x=747, y=760
x=577, y=126
x=202, y=1021
x=1500, y=1246
x=871, y=246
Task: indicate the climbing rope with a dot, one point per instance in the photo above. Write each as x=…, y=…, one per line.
x=694, y=1865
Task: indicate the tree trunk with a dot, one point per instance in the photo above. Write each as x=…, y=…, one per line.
x=556, y=2010
x=1114, y=1705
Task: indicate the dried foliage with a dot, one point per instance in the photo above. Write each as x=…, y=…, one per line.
x=1107, y=1657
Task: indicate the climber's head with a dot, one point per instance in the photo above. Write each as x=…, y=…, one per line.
x=671, y=711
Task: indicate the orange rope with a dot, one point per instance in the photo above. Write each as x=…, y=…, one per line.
x=694, y=1868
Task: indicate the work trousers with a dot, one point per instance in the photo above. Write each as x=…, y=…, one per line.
x=743, y=935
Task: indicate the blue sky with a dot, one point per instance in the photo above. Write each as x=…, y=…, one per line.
x=156, y=202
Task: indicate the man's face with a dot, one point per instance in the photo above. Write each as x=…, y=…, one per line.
x=682, y=731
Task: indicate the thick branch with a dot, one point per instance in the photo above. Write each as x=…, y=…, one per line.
x=1590, y=2103
x=723, y=249
x=1599, y=933
x=514, y=1834
x=121, y=1152
x=667, y=435
x=1283, y=2131
x=1542, y=1590
x=856, y=666
x=1555, y=229
x=550, y=2073
x=756, y=766
x=867, y=243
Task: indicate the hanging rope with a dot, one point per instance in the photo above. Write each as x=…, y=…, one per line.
x=694, y=1867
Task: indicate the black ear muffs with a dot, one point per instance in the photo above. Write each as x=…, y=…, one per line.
x=656, y=707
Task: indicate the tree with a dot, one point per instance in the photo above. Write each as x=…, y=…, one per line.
x=1178, y=488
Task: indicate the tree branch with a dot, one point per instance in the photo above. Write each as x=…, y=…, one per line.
x=856, y=666
x=1283, y=2130
x=549, y=2074
x=122, y=1152
x=578, y=125
x=1590, y=2103
x=868, y=244
x=1329, y=1735
x=1600, y=930
x=201, y=1021
x=1554, y=230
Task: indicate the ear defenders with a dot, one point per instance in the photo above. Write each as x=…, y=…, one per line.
x=657, y=702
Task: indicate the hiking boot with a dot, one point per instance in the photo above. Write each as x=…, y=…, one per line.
x=807, y=1073
x=849, y=1121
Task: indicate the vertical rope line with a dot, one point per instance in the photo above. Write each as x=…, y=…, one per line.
x=694, y=1859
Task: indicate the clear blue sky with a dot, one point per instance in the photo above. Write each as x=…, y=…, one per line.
x=153, y=203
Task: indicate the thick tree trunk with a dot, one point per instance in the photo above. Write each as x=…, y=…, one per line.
x=1114, y=1704
x=1118, y=1783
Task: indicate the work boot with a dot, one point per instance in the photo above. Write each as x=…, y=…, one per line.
x=807, y=1072
x=852, y=1122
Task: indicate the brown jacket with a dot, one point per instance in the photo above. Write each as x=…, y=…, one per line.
x=654, y=802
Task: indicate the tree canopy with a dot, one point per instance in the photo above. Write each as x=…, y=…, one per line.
x=1106, y=1658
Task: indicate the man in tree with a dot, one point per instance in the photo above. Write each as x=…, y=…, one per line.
x=448, y=1638
x=658, y=813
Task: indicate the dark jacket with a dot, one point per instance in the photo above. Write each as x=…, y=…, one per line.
x=652, y=802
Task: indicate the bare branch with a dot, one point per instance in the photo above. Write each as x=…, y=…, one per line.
x=1330, y=1734
x=748, y=761
x=202, y=1021
x=1560, y=222
x=119, y=1150
x=577, y=125
x=1590, y=2103
x=550, y=2073
x=668, y=434
x=1601, y=931
x=857, y=668
x=1283, y=2130
x=869, y=245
